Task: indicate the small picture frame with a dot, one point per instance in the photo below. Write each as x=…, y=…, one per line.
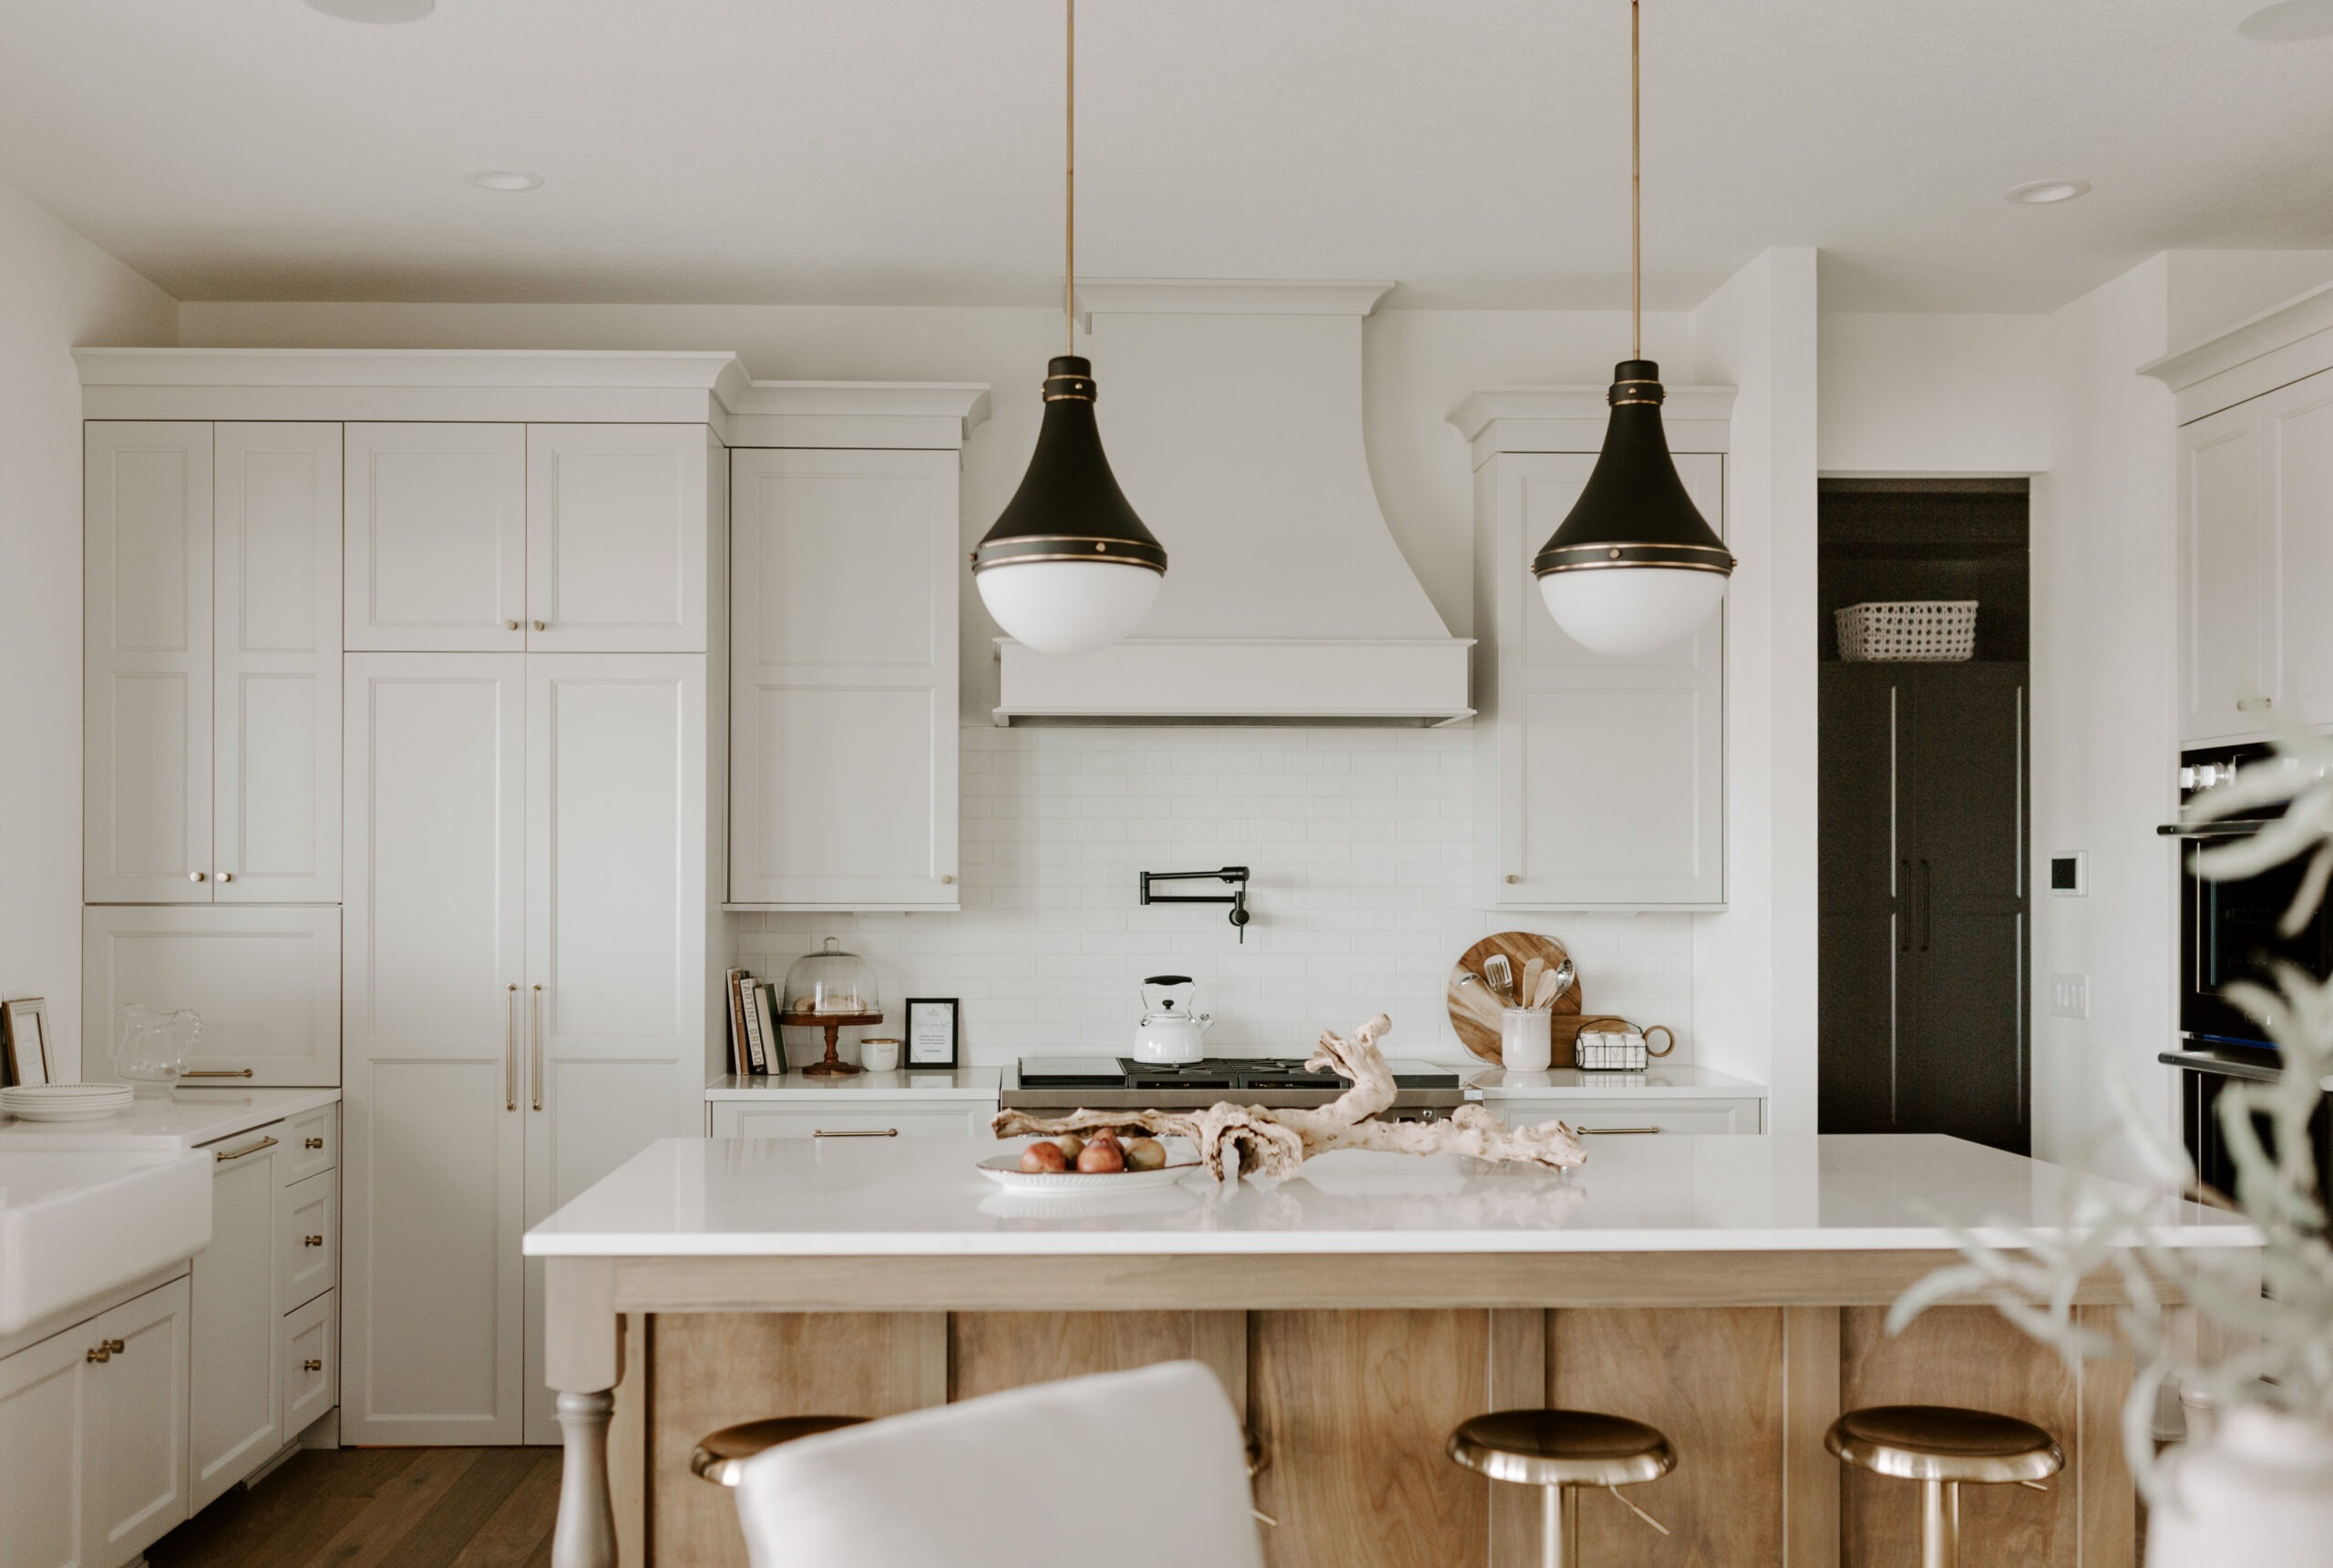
x=931, y=1031
x=26, y=1021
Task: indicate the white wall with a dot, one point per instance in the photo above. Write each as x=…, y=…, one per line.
x=1755, y=977
x=2208, y=291
x=2105, y=725
x=1934, y=394
x=57, y=291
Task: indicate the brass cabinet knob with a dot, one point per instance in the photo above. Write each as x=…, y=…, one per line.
x=512, y=625
x=194, y=877
x=312, y=1241
x=1512, y=877
x=99, y=1354
x=947, y=881
x=314, y=1142
x=542, y=625
x=312, y=1365
x=117, y=1346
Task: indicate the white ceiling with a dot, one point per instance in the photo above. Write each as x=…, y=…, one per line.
x=908, y=150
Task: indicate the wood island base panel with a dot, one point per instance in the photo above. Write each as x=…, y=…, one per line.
x=1732, y=1292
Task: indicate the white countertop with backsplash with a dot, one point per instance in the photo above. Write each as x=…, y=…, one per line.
x=923, y=1082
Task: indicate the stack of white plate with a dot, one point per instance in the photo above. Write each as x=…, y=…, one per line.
x=65, y=1102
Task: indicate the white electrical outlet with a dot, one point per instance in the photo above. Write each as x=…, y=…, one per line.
x=2070, y=996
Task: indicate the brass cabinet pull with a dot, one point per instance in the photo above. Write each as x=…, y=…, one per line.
x=312, y=1365
x=542, y=625
x=223, y=1155
x=117, y=1346
x=312, y=1241
x=535, y=1019
x=510, y=1050
x=1611, y=1132
x=216, y=1072
x=99, y=1354
x=886, y=1132
x=313, y=1143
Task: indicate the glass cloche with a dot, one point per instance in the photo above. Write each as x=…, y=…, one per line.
x=831, y=983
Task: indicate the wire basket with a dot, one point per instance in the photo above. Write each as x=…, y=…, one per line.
x=1908, y=631
x=1618, y=1046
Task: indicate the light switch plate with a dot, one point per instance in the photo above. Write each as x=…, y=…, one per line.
x=2069, y=996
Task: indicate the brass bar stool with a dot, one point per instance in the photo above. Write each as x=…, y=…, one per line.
x=1557, y=1451
x=721, y=1457
x=1941, y=1448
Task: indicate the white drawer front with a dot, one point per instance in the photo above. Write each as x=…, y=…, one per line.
x=307, y=1240
x=956, y=1118
x=1610, y=1118
x=311, y=1143
x=310, y=1362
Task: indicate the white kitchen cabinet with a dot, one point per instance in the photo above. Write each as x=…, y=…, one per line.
x=528, y=932
x=617, y=537
x=908, y=1118
x=310, y=1362
x=437, y=537
x=265, y=982
x=1600, y=782
x=844, y=664
x=237, y=1399
x=307, y=1238
x=93, y=1437
x=213, y=662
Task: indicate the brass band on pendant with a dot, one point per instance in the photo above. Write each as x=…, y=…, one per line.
x=1025, y=548
x=1070, y=388
x=1599, y=556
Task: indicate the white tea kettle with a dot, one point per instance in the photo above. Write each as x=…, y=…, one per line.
x=1169, y=1030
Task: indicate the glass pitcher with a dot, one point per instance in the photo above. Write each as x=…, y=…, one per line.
x=149, y=1050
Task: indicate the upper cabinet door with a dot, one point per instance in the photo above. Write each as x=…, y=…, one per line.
x=2223, y=573
x=277, y=838
x=1606, y=786
x=437, y=537
x=616, y=536
x=2298, y=421
x=844, y=576
x=147, y=715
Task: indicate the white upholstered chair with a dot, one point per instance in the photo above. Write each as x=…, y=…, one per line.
x=1138, y=1470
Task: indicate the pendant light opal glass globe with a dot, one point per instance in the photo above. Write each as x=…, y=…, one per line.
x=1068, y=607
x=1633, y=612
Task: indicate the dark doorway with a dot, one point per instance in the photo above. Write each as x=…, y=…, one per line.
x=1921, y=785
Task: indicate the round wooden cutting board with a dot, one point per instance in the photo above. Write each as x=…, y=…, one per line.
x=1475, y=1007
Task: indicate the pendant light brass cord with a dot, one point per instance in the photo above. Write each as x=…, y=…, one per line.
x=1069, y=195
x=1635, y=196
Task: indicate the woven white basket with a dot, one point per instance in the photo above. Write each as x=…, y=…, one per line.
x=1910, y=631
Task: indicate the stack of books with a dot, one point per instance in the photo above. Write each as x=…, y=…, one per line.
x=755, y=1046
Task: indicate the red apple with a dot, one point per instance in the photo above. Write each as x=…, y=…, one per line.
x=1101, y=1157
x=1044, y=1156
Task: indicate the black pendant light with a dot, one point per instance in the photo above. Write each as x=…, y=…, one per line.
x=1069, y=567
x=1634, y=568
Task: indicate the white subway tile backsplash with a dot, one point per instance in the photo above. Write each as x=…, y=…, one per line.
x=1360, y=843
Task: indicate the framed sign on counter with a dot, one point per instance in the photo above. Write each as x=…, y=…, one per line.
x=931, y=1031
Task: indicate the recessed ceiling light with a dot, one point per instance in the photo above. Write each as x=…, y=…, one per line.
x=2042, y=192
x=381, y=11
x=503, y=180
x=2292, y=21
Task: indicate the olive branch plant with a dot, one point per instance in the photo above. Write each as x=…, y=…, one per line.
x=2281, y=1311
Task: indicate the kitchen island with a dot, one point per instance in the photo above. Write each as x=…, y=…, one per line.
x=1730, y=1290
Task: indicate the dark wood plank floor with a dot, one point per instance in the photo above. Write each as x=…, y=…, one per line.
x=380, y=1508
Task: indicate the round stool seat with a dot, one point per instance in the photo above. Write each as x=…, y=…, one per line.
x=1940, y=1442
x=721, y=1457
x=1562, y=1447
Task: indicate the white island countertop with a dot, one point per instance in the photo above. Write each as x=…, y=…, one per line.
x=923, y=1197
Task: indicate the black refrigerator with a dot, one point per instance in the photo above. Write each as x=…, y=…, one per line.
x=1924, y=929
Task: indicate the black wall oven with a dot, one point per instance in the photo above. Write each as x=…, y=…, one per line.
x=2228, y=929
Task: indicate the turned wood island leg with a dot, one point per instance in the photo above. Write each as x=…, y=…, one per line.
x=583, y=1360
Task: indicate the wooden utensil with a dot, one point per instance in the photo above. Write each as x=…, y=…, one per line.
x=1474, y=1006
x=1532, y=969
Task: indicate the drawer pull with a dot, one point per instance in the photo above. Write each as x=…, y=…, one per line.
x=216, y=1072
x=886, y=1132
x=1612, y=1131
x=312, y=1365
x=312, y=1241
x=99, y=1354
x=312, y=1143
x=223, y=1155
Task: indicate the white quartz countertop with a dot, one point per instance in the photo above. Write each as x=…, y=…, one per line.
x=188, y=1117
x=1657, y=1082
x=864, y=1088
x=923, y=1197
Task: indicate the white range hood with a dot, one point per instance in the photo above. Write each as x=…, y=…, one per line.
x=1231, y=414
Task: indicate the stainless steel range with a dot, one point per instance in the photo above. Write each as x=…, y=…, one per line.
x=1425, y=1092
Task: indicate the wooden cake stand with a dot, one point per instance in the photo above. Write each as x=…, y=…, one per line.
x=831, y=1065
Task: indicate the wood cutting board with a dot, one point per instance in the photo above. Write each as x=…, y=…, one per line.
x=1475, y=1007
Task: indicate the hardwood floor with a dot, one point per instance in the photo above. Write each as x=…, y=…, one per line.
x=380, y=1508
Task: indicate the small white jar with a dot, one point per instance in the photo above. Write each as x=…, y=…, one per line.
x=1525, y=1039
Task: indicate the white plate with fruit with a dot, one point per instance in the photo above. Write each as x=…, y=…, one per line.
x=1069, y=1163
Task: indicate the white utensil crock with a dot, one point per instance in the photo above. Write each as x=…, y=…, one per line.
x=1525, y=1039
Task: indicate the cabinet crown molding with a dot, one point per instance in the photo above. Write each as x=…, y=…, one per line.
x=2279, y=345
x=858, y=415
x=1496, y=419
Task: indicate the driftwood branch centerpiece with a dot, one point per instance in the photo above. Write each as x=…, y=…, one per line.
x=1275, y=1143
